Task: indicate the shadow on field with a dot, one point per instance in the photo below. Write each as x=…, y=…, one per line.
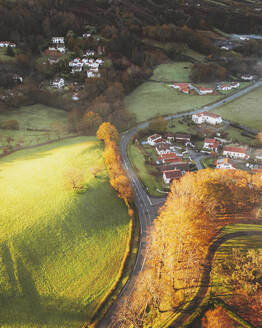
x=24, y=305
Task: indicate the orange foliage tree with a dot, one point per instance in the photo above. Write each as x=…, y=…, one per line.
x=117, y=176
x=217, y=318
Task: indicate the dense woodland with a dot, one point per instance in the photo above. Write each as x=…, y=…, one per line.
x=123, y=27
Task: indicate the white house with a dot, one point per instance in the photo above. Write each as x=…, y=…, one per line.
x=206, y=117
x=211, y=144
x=228, y=86
x=61, y=49
x=183, y=87
x=247, y=77
x=75, y=97
x=169, y=176
x=5, y=44
x=77, y=69
x=224, y=48
x=202, y=91
x=58, y=83
x=86, y=35
x=225, y=163
x=152, y=139
x=89, y=53
x=235, y=152
x=58, y=39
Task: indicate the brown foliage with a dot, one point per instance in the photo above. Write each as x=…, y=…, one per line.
x=217, y=318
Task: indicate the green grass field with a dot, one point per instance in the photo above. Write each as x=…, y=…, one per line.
x=60, y=251
x=177, y=72
x=4, y=57
x=151, y=99
x=148, y=174
x=37, y=117
x=245, y=110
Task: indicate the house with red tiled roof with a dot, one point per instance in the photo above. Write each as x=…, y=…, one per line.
x=163, y=148
x=180, y=137
x=152, y=139
x=227, y=86
x=169, y=176
x=183, y=87
x=202, y=90
x=211, y=144
x=206, y=117
x=235, y=152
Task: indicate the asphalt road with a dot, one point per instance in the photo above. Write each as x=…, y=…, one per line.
x=148, y=206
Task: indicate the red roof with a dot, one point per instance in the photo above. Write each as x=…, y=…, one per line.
x=53, y=53
x=205, y=89
x=208, y=114
x=209, y=140
x=240, y=150
x=175, y=174
x=155, y=136
x=167, y=156
x=173, y=160
x=160, y=140
x=258, y=170
x=184, y=87
x=259, y=152
x=183, y=136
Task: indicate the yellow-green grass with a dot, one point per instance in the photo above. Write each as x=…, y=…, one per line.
x=151, y=99
x=235, y=136
x=178, y=72
x=242, y=85
x=4, y=57
x=60, y=251
x=245, y=110
x=148, y=174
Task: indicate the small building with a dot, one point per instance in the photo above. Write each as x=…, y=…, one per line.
x=211, y=144
x=6, y=44
x=207, y=117
x=235, y=152
x=247, y=77
x=58, y=83
x=86, y=35
x=152, y=139
x=163, y=148
x=225, y=163
x=58, y=39
x=202, y=91
x=258, y=154
x=169, y=158
x=169, y=176
x=228, y=86
x=182, y=166
x=183, y=87
x=182, y=137
x=170, y=137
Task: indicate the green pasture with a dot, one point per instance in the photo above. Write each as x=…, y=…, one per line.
x=60, y=251
x=177, y=72
x=245, y=110
x=151, y=99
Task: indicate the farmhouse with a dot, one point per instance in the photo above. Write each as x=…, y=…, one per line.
x=182, y=137
x=152, y=139
x=58, y=39
x=235, y=152
x=225, y=163
x=182, y=166
x=227, y=86
x=58, y=83
x=247, y=77
x=202, y=91
x=258, y=154
x=207, y=117
x=6, y=44
x=163, y=148
x=169, y=158
x=170, y=137
x=86, y=35
x=211, y=144
x=169, y=176
x=183, y=87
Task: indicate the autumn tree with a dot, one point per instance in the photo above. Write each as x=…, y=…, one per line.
x=217, y=318
x=89, y=123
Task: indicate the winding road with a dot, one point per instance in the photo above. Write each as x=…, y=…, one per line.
x=148, y=209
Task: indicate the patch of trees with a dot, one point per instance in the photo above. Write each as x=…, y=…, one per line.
x=117, y=176
x=197, y=207
x=202, y=72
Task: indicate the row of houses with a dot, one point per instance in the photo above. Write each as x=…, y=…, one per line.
x=187, y=87
x=92, y=65
x=6, y=44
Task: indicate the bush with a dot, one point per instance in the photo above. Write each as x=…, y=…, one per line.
x=11, y=125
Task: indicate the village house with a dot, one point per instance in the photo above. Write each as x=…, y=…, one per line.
x=170, y=158
x=257, y=169
x=247, y=77
x=6, y=44
x=207, y=117
x=152, y=139
x=53, y=56
x=211, y=144
x=86, y=35
x=58, y=83
x=182, y=137
x=225, y=163
x=163, y=148
x=228, y=86
x=183, y=87
x=235, y=152
x=258, y=154
x=170, y=137
x=58, y=39
x=202, y=91
x=182, y=166
x=169, y=176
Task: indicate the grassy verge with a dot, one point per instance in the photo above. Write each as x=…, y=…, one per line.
x=54, y=271
x=148, y=174
x=244, y=110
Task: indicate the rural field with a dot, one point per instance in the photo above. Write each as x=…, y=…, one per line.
x=151, y=99
x=54, y=272
x=178, y=72
x=244, y=110
x=48, y=123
